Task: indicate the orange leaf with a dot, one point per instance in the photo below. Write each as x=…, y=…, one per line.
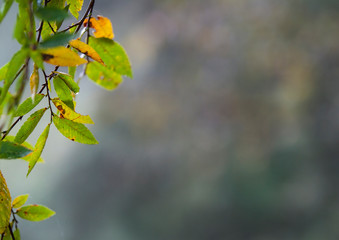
x=86, y=49
x=62, y=56
x=102, y=26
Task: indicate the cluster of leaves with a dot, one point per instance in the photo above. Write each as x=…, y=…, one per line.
x=9, y=228
x=89, y=43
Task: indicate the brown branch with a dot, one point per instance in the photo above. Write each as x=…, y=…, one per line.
x=49, y=97
x=50, y=26
x=10, y=128
x=11, y=231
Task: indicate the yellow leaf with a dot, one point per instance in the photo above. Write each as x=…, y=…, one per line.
x=5, y=206
x=86, y=49
x=62, y=56
x=102, y=26
x=68, y=113
x=34, y=81
x=75, y=7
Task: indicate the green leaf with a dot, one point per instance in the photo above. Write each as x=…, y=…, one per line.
x=63, y=92
x=3, y=71
x=28, y=127
x=39, y=146
x=51, y=14
x=14, y=65
x=75, y=7
x=26, y=145
x=57, y=3
x=5, y=206
x=16, y=234
x=113, y=55
x=74, y=131
x=68, y=79
x=103, y=76
x=19, y=201
x=28, y=105
x=71, y=71
x=69, y=114
x=27, y=25
x=37, y=58
x=5, y=105
x=46, y=31
x=10, y=150
x=4, y=8
x=35, y=212
x=57, y=39
x=19, y=30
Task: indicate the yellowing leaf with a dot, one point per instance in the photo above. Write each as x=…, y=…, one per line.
x=68, y=113
x=75, y=7
x=103, y=76
x=86, y=49
x=34, y=81
x=62, y=56
x=19, y=201
x=102, y=26
x=5, y=206
x=113, y=55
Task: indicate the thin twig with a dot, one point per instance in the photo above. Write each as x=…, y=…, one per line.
x=49, y=24
x=49, y=97
x=10, y=128
x=11, y=231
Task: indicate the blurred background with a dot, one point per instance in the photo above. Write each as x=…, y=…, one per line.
x=229, y=129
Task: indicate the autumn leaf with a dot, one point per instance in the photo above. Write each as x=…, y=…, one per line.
x=5, y=206
x=19, y=201
x=68, y=113
x=62, y=56
x=113, y=54
x=34, y=81
x=102, y=26
x=86, y=49
x=75, y=7
x=103, y=76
